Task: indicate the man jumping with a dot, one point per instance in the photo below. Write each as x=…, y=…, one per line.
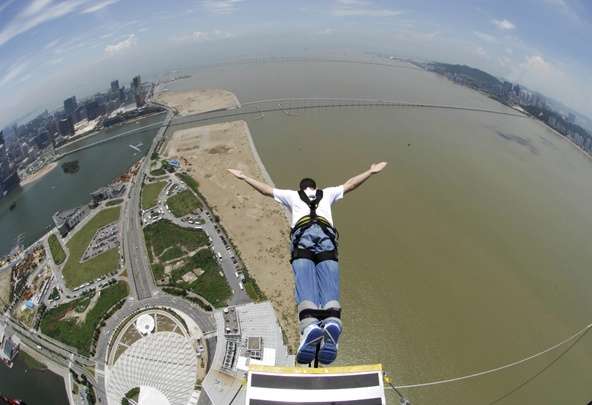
x=314, y=259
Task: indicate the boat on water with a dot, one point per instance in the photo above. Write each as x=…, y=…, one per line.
x=9, y=401
x=12, y=206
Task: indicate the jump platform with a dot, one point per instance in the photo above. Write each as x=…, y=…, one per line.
x=351, y=385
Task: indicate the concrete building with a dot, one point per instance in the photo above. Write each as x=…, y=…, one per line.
x=70, y=105
x=247, y=335
x=138, y=91
x=157, y=351
x=93, y=110
x=115, y=86
x=66, y=126
x=8, y=175
x=66, y=220
x=9, y=345
x=114, y=190
x=42, y=140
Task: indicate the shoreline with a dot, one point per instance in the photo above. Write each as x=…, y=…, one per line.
x=38, y=174
x=524, y=113
x=96, y=132
x=197, y=101
x=256, y=224
x=560, y=135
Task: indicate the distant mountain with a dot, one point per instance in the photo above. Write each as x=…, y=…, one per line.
x=581, y=119
x=467, y=71
x=492, y=84
x=568, y=122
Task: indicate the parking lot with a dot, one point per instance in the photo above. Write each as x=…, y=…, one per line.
x=107, y=237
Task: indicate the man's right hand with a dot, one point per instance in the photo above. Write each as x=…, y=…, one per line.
x=377, y=167
x=237, y=173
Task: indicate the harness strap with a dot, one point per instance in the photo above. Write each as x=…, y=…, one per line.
x=311, y=204
x=299, y=253
x=320, y=314
x=306, y=222
x=330, y=255
x=307, y=219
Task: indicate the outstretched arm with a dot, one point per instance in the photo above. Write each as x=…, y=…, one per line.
x=263, y=188
x=355, y=181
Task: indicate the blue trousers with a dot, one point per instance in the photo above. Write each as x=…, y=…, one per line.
x=317, y=286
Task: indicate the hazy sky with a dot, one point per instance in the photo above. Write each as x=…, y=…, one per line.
x=50, y=49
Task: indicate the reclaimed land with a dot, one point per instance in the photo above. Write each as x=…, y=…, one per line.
x=183, y=203
x=67, y=325
x=150, y=194
x=198, y=101
x=57, y=252
x=76, y=273
x=181, y=258
x=256, y=225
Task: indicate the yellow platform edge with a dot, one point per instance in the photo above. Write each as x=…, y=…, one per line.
x=309, y=370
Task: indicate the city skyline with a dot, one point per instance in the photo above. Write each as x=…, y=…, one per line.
x=51, y=49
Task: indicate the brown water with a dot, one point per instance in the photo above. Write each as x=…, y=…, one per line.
x=471, y=250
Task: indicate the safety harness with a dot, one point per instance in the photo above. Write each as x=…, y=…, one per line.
x=319, y=314
x=306, y=222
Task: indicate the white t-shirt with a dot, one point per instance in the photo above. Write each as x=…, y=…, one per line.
x=291, y=200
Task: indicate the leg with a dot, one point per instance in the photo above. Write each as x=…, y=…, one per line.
x=328, y=286
x=327, y=273
x=328, y=276
x=306, y=297
x=306, y=288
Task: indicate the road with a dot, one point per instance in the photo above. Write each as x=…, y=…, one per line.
x=133, y=244
x=54, y=347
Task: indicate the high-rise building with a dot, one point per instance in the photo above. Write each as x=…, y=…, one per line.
x=70, y=105
x=8, y=175
x=136, y=83
x=4, y=163
x=66, y=126
x=137, y=91
x=122, y=95
x=42, y=140
x=79, y=114
x=115, y=86
x=94, y=109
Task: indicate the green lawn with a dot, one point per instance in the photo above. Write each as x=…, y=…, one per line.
x=158, y=271
x=164, y=234
x=76, y=273
x=80, y=335
x=32, y=363
x=210, y=285
x=169, y=241
x=158, y=172
x=150, y=194
x=57, y=252
x=174, y=252
x=183, y=203
x=114, y=202
x=190, y=181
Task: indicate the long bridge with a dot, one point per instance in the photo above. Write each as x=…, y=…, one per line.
x=295, y=104
x=397, y=63
x=287, y=105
